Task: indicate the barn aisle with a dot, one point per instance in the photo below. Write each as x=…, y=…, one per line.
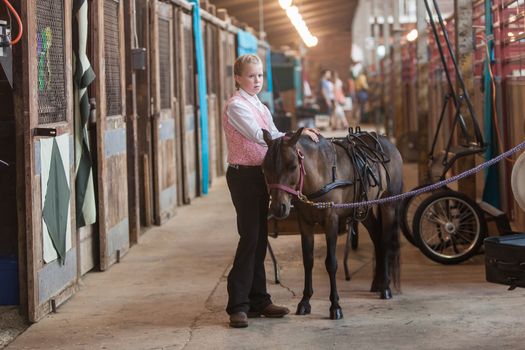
x=169, y=292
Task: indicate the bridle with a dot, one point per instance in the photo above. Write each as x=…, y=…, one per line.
x=298, y=191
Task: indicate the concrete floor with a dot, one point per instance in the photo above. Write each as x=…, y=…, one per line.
x=169, y=292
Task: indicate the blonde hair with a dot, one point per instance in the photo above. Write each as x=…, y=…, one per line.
x=242, y=61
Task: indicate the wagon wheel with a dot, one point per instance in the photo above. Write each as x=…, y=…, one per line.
x=407, y=210
x=449, y=227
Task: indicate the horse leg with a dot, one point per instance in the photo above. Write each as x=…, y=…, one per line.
x=389, y=249
x=336, y=312
x=374, y=227
x=347, y=250
x=307, y=245
x=384, y=233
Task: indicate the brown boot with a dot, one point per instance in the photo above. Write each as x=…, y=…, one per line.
x=271, y=311
x=238, y=320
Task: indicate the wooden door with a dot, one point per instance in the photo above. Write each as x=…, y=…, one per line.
x=109, y=63
x=226, y=87
x=44, y=104
x=163, y=87
x=188, y=117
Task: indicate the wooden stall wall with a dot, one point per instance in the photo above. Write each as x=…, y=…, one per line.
x=163, y=87
x=144, y=115
x=109, y=66
x=131, y=42
x=177, y=94
x=188, y=117
x=408, y=81
x=45, y=100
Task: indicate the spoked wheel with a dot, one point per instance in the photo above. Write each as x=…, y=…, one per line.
x=408, y=208
x=449, y=227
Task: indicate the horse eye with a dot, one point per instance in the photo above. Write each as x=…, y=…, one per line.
x=293, y=167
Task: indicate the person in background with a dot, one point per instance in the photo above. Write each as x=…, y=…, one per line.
x=338, y=117
x=353, y=96
x=243, y=120
x=361, y=86
x=327, y=93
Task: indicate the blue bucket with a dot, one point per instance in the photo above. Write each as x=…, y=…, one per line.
x=9, y=290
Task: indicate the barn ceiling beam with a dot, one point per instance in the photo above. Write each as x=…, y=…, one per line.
x=342, y=11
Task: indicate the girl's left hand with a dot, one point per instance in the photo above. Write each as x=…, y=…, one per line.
x=312, y=133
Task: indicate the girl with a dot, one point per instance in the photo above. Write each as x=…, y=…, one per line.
x=244, y=118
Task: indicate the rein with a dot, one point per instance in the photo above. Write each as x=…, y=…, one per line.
x=298, y=191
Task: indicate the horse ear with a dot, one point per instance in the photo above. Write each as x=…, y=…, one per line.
x=267, y=137
x=295, y=137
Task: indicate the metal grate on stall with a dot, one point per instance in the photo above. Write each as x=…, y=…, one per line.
x=164, y=63
x=211, y=57
x=112, y=57
x=51, y=64
x=188, y=54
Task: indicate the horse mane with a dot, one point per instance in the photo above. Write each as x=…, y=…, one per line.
x=273, y=155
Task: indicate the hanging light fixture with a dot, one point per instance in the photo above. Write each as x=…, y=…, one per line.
x=300, y=25
x=285, y=4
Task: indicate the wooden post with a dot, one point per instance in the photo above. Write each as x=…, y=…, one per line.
x=397, y=73
x=375, y=58
x=422, y=92
x=25, y=107
x=465, y=53
x=147, y=190
x=387, y=74
x=143, y=95
x=131, y=125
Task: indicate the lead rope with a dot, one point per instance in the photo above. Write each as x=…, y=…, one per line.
x=327, y=205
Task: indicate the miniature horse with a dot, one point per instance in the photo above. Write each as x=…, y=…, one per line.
x=296, y=165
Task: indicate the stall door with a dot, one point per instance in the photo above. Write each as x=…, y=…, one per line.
x=109, y=66
x=189, y=125
x=227, y=86
x=45, y=107
x=164, y=151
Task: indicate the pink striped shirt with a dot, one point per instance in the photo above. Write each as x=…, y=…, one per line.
x=241, y=150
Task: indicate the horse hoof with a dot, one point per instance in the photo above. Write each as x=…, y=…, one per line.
x=386, y=294
x=336, y=314
x=303, y=309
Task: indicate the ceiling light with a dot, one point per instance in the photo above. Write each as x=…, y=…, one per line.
x=297, y=21
x=285, y=4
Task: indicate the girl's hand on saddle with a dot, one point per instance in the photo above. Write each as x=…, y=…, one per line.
x=311, y=133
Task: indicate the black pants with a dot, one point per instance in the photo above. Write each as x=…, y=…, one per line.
x=247, y=278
